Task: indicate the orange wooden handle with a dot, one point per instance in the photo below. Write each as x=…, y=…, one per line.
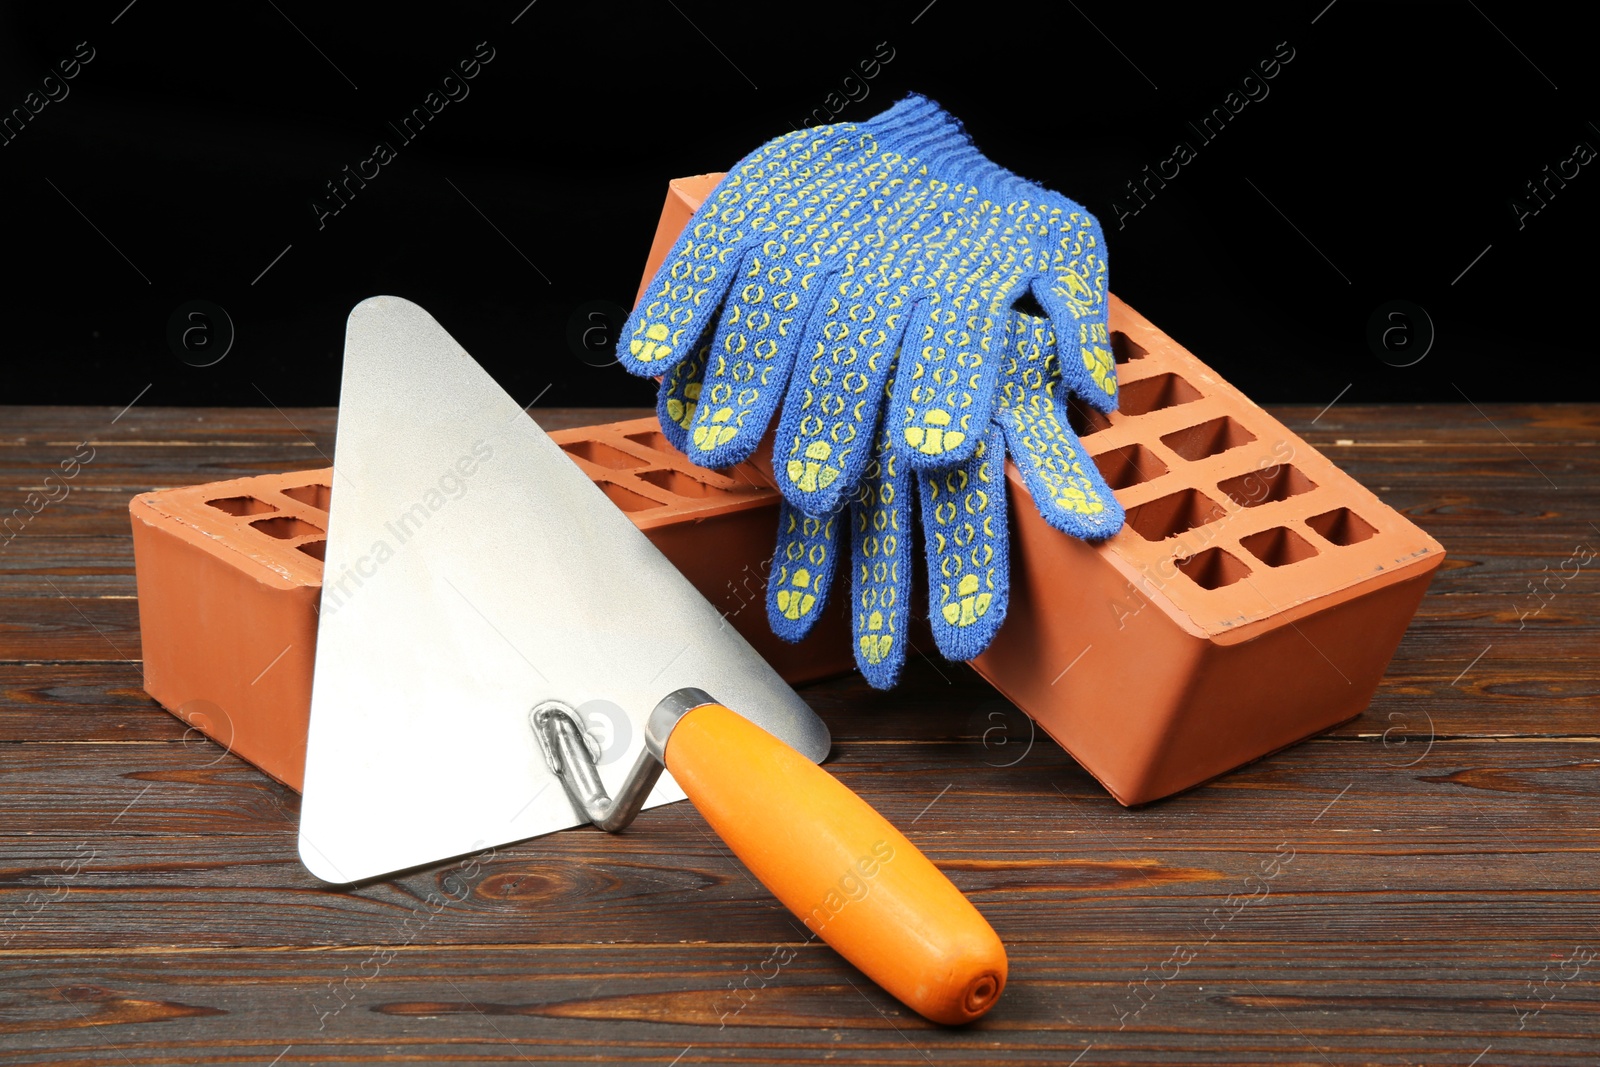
x=840, y=866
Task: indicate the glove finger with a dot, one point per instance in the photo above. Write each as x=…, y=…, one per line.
x=953, y=369
x=946, y=369
x=1072, y=291
x=803, y=566
x=1083, y=340
x=679, y=395
x=766, y=318
x=1067, y=488
x=964, y=530
x=881, y=585
x=752, y=354
x=836, y=393
x=680, y=302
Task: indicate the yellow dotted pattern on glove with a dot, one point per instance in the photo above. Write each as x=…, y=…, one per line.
x=878, y=518
x=1066, y=246
x=683, y=387
x=837, y=403
x=887, y=266
x=743, y=203
x=777, y=277
x=1027, y=387
x=961, y=535
x=955, y=345
x=1094, y=346
x=799, y=580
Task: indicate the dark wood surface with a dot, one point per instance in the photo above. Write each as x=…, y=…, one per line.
x=1442, y=905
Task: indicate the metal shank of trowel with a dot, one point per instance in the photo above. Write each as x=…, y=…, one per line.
x=574, y=755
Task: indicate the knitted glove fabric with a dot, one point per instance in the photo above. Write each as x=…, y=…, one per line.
x=758, y=252
x=896, y=235
x=945, y=382
x=963, y=515
x=935, y=413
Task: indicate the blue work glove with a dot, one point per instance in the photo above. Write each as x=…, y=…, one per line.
x=945, y=384
x=853, y=251
x=903, y=230
x=758, y=252
x=963, y=515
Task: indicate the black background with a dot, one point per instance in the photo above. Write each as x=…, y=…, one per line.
x=1383, y=162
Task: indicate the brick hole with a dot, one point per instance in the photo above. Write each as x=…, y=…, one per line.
x=653, y=439
x=1130, y=465
x=317, y=550
x=681, y=484
x=1208, y=438
x=1278, y=547
x=285, y=526
x=1341, y=526
x=1154, y=393
x=1174, y=514
x=1265, y=486
x=602, y=455
x=627, y=499
x=241, y=505
x=315, y=495
x=1084, y=419
x=1124, y=349
x=1213, y=568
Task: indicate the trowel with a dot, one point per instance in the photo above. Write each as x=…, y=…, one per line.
x=501, y=654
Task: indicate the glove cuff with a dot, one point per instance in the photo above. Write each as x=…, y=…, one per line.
x=917, y=126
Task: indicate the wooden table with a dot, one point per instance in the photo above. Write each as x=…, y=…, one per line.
x=1442, y=905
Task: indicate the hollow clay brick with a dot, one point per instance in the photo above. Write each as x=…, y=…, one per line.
x=230, y=574
x=1253, y=599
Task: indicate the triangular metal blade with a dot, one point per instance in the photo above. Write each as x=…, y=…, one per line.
x=472, y=571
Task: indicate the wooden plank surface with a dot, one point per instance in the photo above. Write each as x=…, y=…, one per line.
x=1441, y=906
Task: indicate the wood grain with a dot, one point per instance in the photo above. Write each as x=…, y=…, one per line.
x=1436, y=895
x=1234, y=1002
